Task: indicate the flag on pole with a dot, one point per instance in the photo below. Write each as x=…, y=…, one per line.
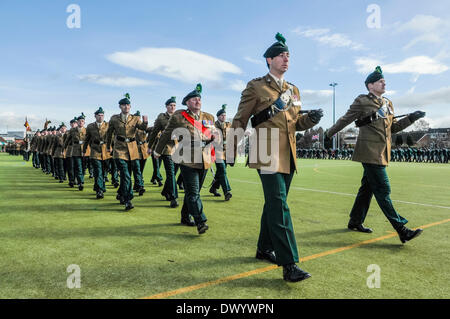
x=315, y=137
x=27, y=125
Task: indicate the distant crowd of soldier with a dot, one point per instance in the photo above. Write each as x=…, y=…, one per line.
x=400, y=154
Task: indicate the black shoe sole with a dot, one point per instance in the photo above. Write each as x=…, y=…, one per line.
x=203, y=229
x=297, y=279
x=356, y=229
x=416, y=235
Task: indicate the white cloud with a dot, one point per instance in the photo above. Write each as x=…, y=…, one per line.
x=118, y=81
x=316, y=97
x=429, y=29
x=415, y=65
x=238, y=85
x=324, y=36
x=437, y=97
x=255, y=61
x=180, y=64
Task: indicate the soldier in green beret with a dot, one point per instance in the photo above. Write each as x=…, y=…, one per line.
x=58, y=152
x=221, y=179
x=196, y=156
x=34, y=143
x=76, y=138
x=138, y=165
x=96, y=140
x=170, y=191
x=123, y=127
x=68, y=153
x=274, y=105
x=375, y=118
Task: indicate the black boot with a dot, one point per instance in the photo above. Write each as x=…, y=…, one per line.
x=202, y=228
x=100, y=195
x=174, y=203
x=213, y=191
x=128, y=205
x=359, y=228
x=293, y=273
x=407, y=234
x=228, y=196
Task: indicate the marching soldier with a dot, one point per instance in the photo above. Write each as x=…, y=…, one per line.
x=58, y=153
x=375, y=118
x=68, y=147
x=76, y=138
x=123, y=126
x=170, y=191
x=156, y=162
x=96, y=141
x=136, y=168
x=34, y=145
x=274, y=105
x=196, y=155
x=221, y=179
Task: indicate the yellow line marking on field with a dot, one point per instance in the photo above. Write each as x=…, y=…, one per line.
x=265, y=269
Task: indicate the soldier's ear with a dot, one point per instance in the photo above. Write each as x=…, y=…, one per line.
x=267, y=62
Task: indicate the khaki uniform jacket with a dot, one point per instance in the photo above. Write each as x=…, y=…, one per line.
x=160, y=124
x=373, y=145
x=259, y=94
x=124, y=150
x=33, y=143
x=223, y=127
x=96, y=141
x=48, y=144
x=58, y=146
x=141, y=140
x=76, y=138
x=68, y=148
x=177, y=120
x=40, y=143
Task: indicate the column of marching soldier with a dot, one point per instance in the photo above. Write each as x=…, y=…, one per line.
x=272, y=104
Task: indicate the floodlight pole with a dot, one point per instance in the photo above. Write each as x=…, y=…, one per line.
x=334, y=110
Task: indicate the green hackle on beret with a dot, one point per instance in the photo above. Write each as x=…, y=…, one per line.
x=99, y=111
x=196, y=93
x=125, y=100
x=137, y=113
x=374, y=76
x=278, y=47
x=81, y=117
x=222, y=110
x=171, y=100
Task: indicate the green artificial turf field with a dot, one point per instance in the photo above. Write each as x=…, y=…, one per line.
x=46, y=226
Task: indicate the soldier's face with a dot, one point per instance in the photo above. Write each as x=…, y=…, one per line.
x=63, y=130
x=280, y=63
x=74, y=124
x=378, y=87
x=222, y=117
x=171, y=108
x=99, y=117
x=80, y=123
x=125, y=108
x=194, y=104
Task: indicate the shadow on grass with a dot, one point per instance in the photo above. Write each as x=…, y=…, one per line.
x=98, y=232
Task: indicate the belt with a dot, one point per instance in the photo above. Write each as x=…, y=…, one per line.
x=201, y=144
x=79, y=142
x=123, y=139
x=140, y=143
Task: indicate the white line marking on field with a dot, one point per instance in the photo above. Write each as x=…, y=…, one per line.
x=343, y=194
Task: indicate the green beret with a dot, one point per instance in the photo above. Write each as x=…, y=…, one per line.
x=374, y=76
x=73, y=120
x=171, y=100
x=125, y=100
x=222, y=110
x=99, y=111
x=81, y=117
x=137, y=113
x=277, y=48
x=195, y=93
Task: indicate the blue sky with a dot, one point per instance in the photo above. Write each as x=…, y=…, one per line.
x=155, y=50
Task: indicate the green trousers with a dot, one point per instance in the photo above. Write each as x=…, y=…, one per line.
x=221, y=179
x=276, y=232
x=192, y=205
x=78, y=171
x=375, y=182
x=170, y=187
x=125, y=188
x=137, y=173
x=99, y=182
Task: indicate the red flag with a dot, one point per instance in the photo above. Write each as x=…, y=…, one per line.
x=28, y=127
